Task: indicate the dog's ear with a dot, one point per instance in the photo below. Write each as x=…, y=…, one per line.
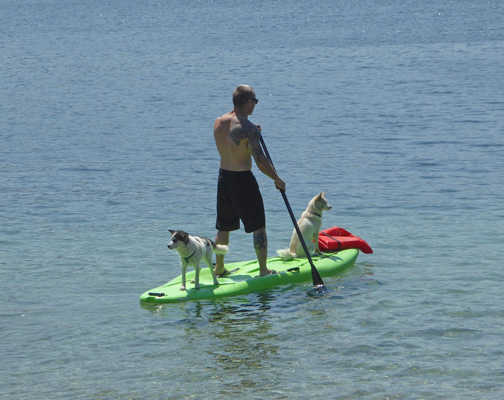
x=185, y=237
x=172, y=232
x=322, y=194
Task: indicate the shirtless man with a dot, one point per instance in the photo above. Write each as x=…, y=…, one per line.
x=238, y=195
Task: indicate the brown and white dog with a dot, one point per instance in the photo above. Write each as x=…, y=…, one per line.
x=193, y=249
x=309, y=225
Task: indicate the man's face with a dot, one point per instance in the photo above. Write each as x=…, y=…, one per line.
x=251, y=102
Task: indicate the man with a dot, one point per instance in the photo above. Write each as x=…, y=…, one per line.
x=238, y=195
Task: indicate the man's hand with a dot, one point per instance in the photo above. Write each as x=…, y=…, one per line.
x=280, y=185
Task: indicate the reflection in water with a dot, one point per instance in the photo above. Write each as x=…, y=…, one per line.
x=236, y=342
x=243, y=340
x=240, y=334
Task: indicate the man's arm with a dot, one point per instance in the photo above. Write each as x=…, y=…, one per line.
x=262, y=162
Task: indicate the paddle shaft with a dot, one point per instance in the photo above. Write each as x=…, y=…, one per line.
x=317, y=279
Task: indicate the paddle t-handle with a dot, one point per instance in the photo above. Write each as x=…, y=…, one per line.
x=318, y=284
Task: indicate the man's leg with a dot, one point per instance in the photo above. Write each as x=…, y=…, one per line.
x=261, y=248
x=222, y=237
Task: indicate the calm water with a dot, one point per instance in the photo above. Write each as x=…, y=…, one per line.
x=395, y=109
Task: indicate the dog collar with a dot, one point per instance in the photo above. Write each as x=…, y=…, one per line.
x=187, y=258
x=314, y=213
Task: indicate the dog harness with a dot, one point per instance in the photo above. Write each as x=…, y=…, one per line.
x=187, y=258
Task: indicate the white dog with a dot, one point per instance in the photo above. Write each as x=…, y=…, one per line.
x=309, y=225
x=192, y=249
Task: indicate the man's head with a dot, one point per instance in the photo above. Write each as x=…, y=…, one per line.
x=244, y=96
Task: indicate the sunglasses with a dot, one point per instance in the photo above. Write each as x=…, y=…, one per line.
x=256, y=101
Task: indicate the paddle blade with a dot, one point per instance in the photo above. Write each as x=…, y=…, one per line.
x=318, y=284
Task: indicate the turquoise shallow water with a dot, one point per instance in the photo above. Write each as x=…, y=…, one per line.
x=395, y=110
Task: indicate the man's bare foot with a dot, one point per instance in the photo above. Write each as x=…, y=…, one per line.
x=269, y=272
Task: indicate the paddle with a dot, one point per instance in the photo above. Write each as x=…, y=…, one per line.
x=318, y=284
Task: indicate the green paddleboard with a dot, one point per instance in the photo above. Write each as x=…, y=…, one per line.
x=244, y=278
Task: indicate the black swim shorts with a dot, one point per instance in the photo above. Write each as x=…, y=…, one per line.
x=238, y=197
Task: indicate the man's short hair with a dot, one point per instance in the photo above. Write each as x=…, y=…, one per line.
x=241, y=94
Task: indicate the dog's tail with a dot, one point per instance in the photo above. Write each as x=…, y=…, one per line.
x=220, y=248
x=285, y=254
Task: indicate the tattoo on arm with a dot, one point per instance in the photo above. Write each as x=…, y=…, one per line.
x=255, y=148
